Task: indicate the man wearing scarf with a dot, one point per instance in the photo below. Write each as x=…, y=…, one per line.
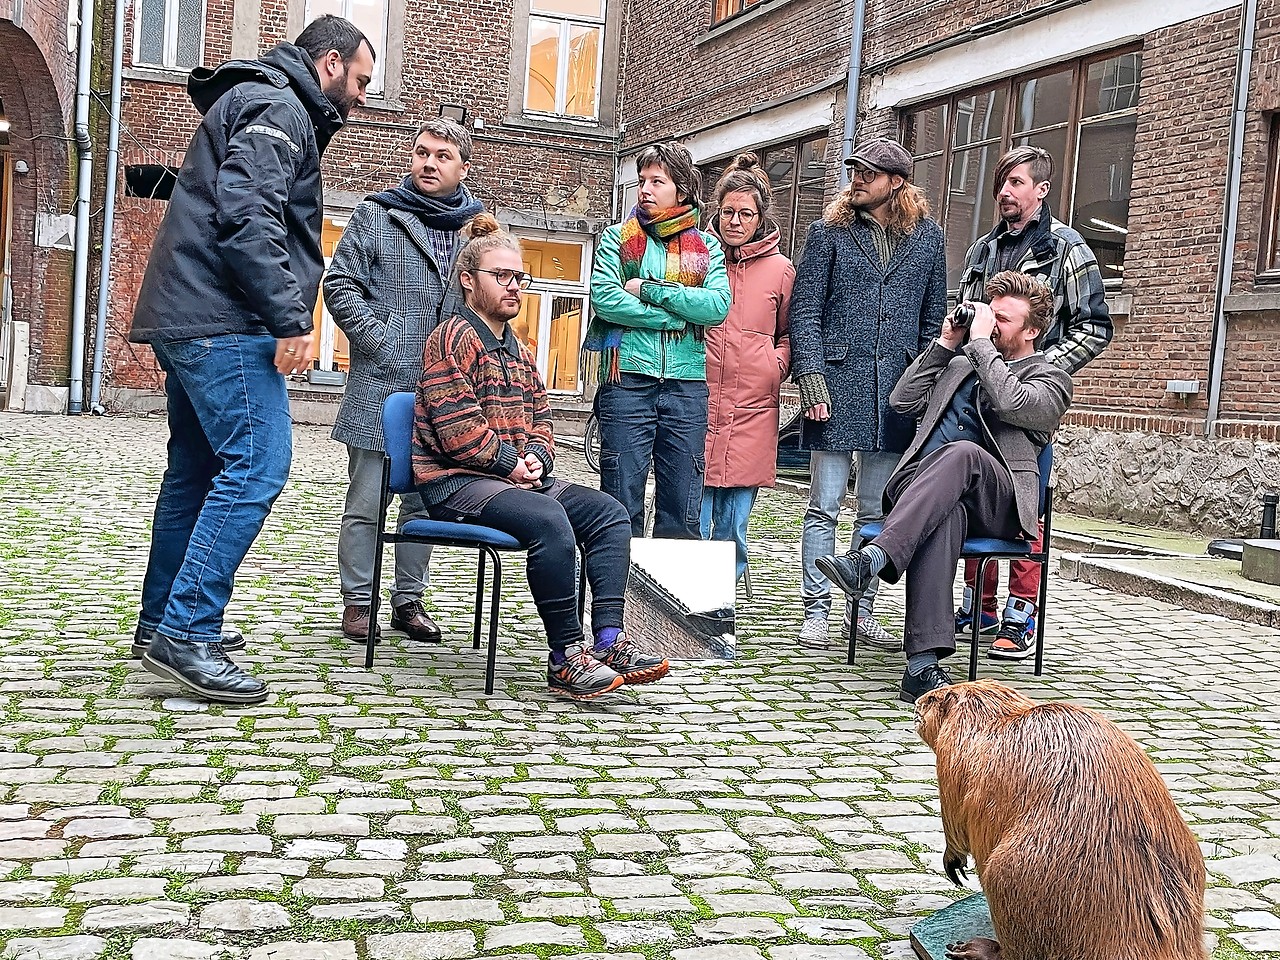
x=657, y=284
x=387, y=287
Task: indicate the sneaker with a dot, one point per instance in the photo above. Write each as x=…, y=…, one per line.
x=932, y=677
x=813, y=633
x=871, y=631
x=625, y=659
x=581, y=676
x=1015, y=640
x=988, y=626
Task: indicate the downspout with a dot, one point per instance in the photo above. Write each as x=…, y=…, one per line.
x=1226, y=262
x=109, y=212
x=853, y=80
x=80, y=275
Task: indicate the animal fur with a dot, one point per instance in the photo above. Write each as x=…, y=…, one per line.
x=1080, y=849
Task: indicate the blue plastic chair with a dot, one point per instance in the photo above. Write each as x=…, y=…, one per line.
x=397, y=478
x=988, y=549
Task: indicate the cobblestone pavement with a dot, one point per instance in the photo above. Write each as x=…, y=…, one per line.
x=778, y=807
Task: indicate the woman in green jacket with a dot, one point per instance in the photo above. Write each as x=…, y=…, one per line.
x=658, y=282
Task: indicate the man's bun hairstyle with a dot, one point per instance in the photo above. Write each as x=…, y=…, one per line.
x=479, y=235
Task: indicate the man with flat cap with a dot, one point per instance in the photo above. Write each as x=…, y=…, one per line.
x=870, y=294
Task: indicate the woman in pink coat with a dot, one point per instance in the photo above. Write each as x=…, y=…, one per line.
x=747, y=356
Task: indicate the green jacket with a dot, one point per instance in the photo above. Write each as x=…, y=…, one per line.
x=657, y=339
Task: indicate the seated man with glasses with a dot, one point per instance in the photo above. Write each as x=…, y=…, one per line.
x=484, y=452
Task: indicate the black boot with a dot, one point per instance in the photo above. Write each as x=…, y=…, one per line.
x=202, y=668
x=232, y=640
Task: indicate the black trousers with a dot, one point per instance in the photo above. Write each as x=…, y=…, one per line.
x=548, y=527
x=958, y=490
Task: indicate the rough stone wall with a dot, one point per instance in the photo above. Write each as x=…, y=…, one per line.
x=1211, y=486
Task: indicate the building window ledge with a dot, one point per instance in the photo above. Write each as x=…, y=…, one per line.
x=1257, y=301
x=1119, y=304
x=537, y=123
x=172, y=75
x=379, y=105
x=740, y=19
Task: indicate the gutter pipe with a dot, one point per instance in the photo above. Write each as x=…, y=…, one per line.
x=109, y=212
x=853, y=81
x=1226, y=263
x=80, y=274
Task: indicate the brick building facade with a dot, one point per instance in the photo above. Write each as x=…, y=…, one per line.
x=1176, y=423
x=37, y=155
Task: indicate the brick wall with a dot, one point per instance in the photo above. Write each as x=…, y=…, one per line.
x=37, y=84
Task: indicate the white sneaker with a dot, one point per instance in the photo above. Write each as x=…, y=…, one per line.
x=871, y=631
x=813, y=633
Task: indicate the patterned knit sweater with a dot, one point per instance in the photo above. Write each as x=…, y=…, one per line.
x=480, y=407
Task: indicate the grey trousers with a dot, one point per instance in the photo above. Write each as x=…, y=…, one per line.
x=358, y=535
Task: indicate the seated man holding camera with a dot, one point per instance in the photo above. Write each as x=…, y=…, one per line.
x=987, y=403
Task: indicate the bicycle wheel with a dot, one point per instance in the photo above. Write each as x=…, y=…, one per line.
x=591, y=442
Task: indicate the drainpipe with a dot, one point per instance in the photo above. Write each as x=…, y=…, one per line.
x=80, y=275
x=1226, y=262
x=109, y=212
x=853, y=80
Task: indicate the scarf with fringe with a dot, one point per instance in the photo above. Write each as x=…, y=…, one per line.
x=688, y=260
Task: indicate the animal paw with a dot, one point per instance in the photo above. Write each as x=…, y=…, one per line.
x=979, y=948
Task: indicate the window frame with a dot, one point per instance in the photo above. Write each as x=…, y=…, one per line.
x=169, y=55
x=738, y=7
x=565, y=20
x=547, y=289
x=1268, y=271
x=1066, y=171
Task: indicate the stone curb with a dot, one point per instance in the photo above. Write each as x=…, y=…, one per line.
x=1102, y=572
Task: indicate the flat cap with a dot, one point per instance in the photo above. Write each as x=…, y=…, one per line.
x=885, y=155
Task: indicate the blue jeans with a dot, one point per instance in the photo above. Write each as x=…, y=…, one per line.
x=725, y=511
x=230, y=445
x=828, y=484
x=646, y=422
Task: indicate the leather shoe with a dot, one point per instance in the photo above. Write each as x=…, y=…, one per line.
x=851, y=573
x=932, y=677
x=202, y=668
x=232, y=640
x=355, y=624
x=412, y=618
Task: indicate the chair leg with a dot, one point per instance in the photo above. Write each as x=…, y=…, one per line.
x=853, y=639
x=1044, y=599
x=374, y=602
x=746, y=581
x=491, y=665
x=475, y=633
x=975, y=627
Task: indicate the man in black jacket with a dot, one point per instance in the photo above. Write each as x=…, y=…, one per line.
x=226, y=303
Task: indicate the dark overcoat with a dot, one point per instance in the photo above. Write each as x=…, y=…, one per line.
x=861, y=324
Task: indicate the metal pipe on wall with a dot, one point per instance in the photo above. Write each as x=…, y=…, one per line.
x=109, y=211
x=84, y=183
x=1226, y=262
x=853, y=80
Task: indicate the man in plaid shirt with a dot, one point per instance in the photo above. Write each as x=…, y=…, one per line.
x=1031, y=240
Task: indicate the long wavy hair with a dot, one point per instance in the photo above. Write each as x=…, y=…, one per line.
x=907, y=207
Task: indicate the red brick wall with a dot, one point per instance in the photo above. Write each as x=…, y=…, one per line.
x=37, y=83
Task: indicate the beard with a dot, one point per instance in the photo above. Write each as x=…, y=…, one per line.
x=337, y=95
x=493, y=306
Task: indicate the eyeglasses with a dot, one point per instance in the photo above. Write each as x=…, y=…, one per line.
x=864, y=174
x=505, y=277
x=742, y=216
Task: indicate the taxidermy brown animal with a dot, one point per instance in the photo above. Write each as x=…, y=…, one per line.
x=1080, y=849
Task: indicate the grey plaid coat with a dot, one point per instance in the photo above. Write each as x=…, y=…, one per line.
x=1058, y=256
x=386, y=292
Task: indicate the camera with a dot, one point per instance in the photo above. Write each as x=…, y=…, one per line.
x=963, y=316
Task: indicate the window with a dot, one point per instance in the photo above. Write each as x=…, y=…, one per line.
x=170, y=33
x=1269, y=248
x=797, y=172
x=562, y=72
x=371, y=17
x=1084, y=113
x=333, y=354
x=724, y=9
x=552, y=319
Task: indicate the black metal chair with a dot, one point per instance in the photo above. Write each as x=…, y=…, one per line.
x=988, y=549
x=397, y=478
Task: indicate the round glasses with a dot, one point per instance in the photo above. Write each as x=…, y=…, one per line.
x=864, y=174
x=742, y=216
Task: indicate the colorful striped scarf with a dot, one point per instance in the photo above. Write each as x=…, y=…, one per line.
x=687, y=263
